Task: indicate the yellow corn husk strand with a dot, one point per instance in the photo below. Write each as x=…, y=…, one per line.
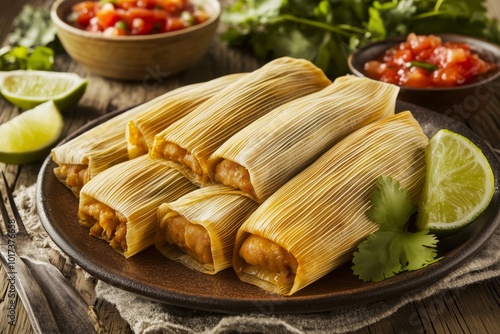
x=142, y=128
x=318, y=218
x=283, y=142
x=134, y=190
x=195, y=137
x=219, y=210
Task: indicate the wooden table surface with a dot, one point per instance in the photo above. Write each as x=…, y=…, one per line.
x=474, y=309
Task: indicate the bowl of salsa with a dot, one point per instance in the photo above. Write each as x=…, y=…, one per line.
x=452, y=74
x=136, y=39
x=133, y=18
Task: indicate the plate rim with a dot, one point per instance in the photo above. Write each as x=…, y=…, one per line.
x=278, y=304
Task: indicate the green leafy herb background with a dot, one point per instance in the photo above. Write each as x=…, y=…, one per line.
x=326, y=31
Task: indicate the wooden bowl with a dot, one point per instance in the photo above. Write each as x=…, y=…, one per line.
x=146, y=57
x=459, y=102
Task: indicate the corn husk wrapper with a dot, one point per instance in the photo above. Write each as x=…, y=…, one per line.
x=220, y=210
x=135, y=188
x=280, y=144
x=105, y=145
x=201, y=132
x=143, y=127
x=319, y=217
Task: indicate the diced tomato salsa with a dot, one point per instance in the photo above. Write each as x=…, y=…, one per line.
x=427, y=61
x=135, y=17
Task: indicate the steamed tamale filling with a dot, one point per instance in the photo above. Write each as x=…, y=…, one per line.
x=193, y=239
x=74, y=175
x=235, y=175
x=105, y=223
x=176, y=153
x=268, y=260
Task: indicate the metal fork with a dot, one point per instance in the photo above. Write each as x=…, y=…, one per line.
x=51, y=302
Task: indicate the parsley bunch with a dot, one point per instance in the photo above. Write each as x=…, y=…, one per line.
x=326, y=31
x=393, y=248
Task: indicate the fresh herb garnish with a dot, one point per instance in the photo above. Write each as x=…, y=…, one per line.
x=393, y=248
x=326, y=31
x=33, y=42
x=33, y=27
x=22, y=58
x=423, y=65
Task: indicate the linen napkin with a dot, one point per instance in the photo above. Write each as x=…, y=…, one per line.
x=149, y=317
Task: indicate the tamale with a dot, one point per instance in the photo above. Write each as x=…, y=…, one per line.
x=142, y=128
x=315, y=221
x=266, y=154
x=119, y=205
x=105, y=145
x=188, y=143
x=199, y=228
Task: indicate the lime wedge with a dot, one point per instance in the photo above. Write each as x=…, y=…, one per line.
x=459, y=184
x=30, y=136
x=27, y=89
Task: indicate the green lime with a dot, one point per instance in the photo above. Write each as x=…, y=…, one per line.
x=27, y=89
x=459, y=184
x=29, y=136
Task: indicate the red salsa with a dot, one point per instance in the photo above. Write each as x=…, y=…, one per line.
x=427, y=61
x=135, y=17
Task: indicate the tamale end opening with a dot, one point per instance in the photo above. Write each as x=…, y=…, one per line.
x=235, y=175
x=268, y=261
x=192, y=239
x=182, y=156
x=105, y=223
x=74, y=176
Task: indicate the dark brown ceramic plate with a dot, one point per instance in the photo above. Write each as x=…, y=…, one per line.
x=151, y=275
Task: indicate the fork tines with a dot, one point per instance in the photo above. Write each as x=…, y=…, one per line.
x=5, y=214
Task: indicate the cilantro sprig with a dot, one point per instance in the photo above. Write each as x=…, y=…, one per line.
x=33, y=42
x=393, y=248
x=326, y=31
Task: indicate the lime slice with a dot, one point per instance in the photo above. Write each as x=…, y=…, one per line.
x=30, y=136
x=459, y=184
x=27, y=89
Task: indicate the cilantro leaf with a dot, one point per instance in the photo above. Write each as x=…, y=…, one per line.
x=392, y=206
x=392, y=248
x=33, y=27
x=387, y=253
x=417, y=250
x=375, y=261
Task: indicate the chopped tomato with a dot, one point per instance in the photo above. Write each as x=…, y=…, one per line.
x=172, y=6
x=114, y=31
x=126, y=4
x=83, y=13
x=107, y=17
x=175, y=23
x=200, y=16
x=141, y=26
x=415, y=77
x=85, y=6
x=149, y=4
x=425, y=61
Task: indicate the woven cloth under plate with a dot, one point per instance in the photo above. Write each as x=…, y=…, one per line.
x=150, y=317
